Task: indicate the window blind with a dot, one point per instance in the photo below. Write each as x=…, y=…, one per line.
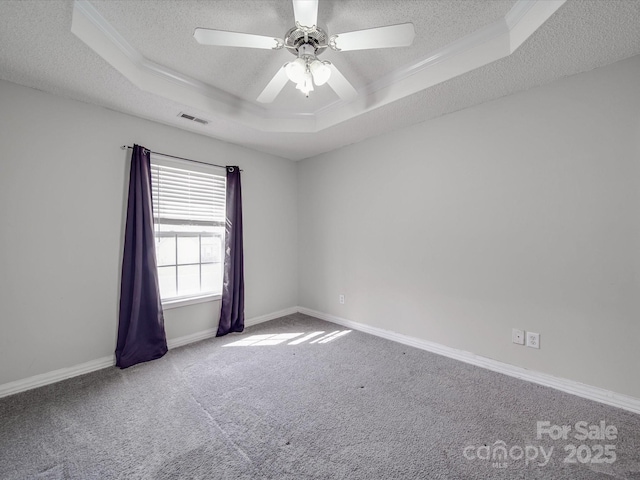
x=186, y=196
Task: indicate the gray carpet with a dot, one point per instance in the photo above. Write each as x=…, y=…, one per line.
x=356, y=407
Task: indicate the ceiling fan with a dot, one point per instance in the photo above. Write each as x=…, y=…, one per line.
x=306, y=41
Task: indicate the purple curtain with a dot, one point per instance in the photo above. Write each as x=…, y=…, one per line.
x=141, y=335
x=232, y=310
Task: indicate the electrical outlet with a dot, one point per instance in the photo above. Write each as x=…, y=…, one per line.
x=517, y=336
x=533, y=340
x=341, y=299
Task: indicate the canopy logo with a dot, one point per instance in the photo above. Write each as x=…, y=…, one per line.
x=500, y=454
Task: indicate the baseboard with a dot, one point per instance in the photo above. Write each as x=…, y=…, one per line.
x=104, y=362
x=589, y=392
x=597, y=394
x=211, y=332
x=56, y=376
x=187, y=339
x=271, y=316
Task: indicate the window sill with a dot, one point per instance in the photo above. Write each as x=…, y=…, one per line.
x=183, y=302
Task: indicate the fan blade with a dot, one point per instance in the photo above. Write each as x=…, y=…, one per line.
x=381, y=37
x=306, y=12
x=274, y=87
x=221, y=38
x=341, y=85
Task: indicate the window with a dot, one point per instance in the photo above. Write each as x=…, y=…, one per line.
x=189, y=218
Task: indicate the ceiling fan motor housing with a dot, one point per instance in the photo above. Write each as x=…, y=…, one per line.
x=312, y=41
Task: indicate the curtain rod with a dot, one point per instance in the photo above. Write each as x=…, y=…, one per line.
x=179, y=158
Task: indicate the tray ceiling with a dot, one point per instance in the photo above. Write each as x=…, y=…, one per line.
x=139, y=57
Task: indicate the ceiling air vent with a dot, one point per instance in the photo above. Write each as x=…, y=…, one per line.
x=193, y=119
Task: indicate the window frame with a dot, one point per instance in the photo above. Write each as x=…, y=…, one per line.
x=180, y=301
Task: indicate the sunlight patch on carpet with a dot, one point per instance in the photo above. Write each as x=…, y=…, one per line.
x=278, y=338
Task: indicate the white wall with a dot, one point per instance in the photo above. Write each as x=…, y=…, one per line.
x=63, y=181
x=522, y=212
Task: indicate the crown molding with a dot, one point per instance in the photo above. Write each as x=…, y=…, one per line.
x=95, y=31
x=484, y=46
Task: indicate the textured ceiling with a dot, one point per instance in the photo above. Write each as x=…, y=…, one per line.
x=37, y=49
x=244, y=72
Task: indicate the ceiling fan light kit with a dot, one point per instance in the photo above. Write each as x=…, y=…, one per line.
x=307, y=41
x=306, y=85
x=307, y=70
x=320, y=71
x=296, y=70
